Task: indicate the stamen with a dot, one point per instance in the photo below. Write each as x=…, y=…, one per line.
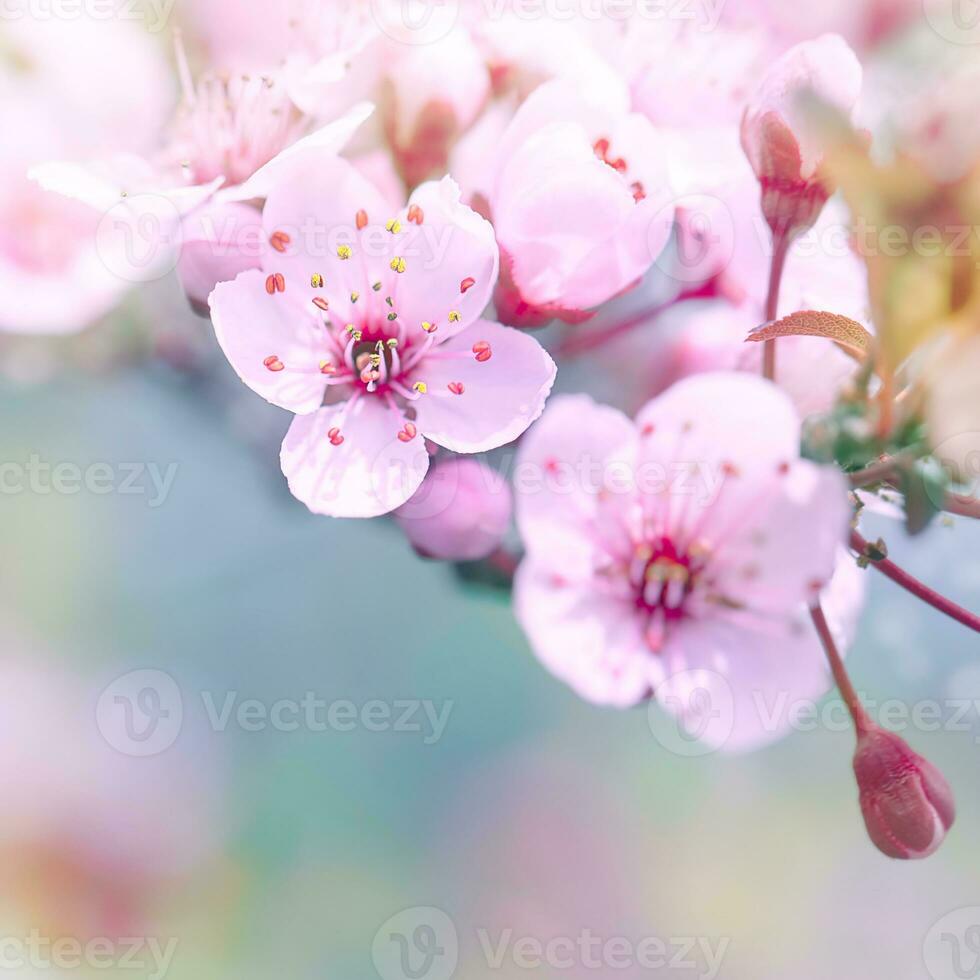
x=456, y=387
x=275, y=283
x=466, y=284
x=279, y=240
x=408, y=432
x=415, y=214
x=344, y=252
x=394, y=226
x=454, y=316
x=316, y=280
x=483, y=351
x=354, y=297
x=376, y=287
x=280, y=282
x=397, y=265
x=273, y=363
x=334, y=436
x=320, y=303
x=361, y=219
x=421, y=387
x=429, y=327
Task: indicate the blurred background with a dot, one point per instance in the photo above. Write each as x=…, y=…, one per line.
x=246, y=741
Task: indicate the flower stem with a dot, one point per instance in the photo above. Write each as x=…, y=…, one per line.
x=862, y=722
x=898, y=575
x=886, y=470
x=781, y=243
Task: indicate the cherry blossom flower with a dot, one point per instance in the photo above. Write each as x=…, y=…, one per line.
x=380, y=313
x=782, y=140
x=579, y=202
x=690, y=540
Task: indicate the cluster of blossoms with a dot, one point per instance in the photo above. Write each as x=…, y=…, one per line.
x=377, y=216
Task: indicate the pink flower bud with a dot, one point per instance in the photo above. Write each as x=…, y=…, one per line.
x=906, y=802
x=780, y=137
x=460, y=513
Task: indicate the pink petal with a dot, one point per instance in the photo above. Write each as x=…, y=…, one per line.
x=560, y=468
x=451, y=260
x=251, y=326
x=500, y=396
x=318, y=209
x=774, y=540
x=591, y=641
x=217, y=242
x=720, y=418
x=756, y=678
x=369, y=473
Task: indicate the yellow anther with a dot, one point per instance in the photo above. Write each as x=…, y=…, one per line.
x=394, y=226
x=316, y=280
x=454, y=316
x=344, y=252
x=354, y=297
x=398, y=264
x=421, y=387
x=428, y=327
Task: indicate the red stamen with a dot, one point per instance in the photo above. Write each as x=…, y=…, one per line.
x=280, y=281
x=361, y=219
x=334, y=436
x=415, y=214
x=279, y=240
x=483, y=351
x=468, y=283
x=456, y=387
x=273, y=363
x=320, y=303
x=408, y=433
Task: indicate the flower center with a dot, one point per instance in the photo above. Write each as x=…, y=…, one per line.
x=662, y=578
x=230, y=126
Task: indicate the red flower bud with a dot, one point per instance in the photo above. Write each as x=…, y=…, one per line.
x=905, y=800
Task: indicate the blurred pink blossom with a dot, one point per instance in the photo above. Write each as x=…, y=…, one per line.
x=688, y=540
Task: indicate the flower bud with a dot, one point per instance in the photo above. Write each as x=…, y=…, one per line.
x=905, y=800
x=460, y=513
x=780, y=138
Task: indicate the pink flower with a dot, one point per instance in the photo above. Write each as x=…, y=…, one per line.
x=686, y=543
x=780, y=137
x=380, y=313
x=579, y=203
x=461, y=512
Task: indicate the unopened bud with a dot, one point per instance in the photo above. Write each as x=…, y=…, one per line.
x=905, y=800
x=460, y=513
